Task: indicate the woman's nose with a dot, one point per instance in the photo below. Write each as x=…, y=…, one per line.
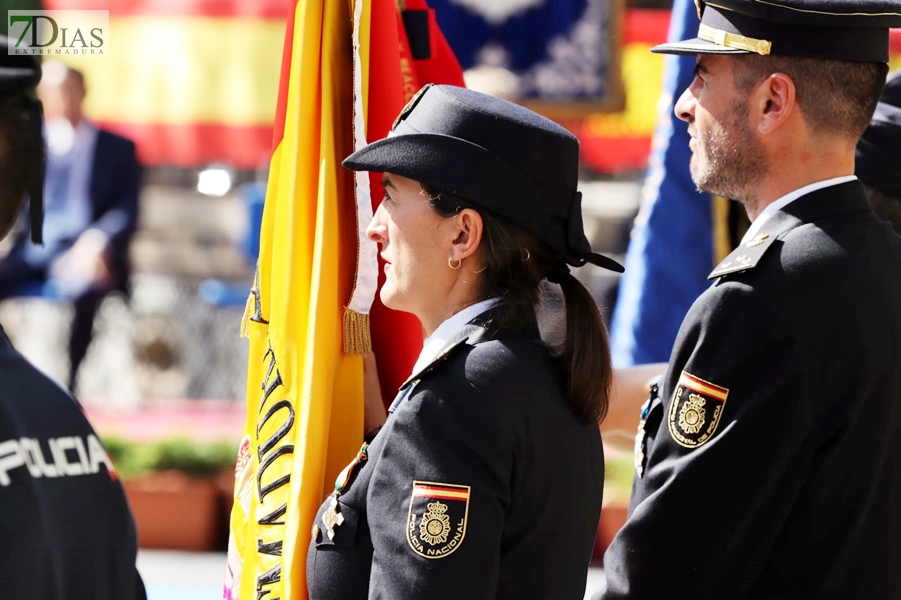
x=377, y=231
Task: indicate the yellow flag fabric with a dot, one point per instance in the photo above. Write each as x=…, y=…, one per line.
x=304, y=394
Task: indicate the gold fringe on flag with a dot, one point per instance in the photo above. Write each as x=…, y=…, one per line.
x=357, y=337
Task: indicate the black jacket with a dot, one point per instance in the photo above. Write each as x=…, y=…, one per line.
x=65, y=525
x=770, y=466
x=481, y=485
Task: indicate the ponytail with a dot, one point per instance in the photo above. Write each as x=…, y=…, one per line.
x=585, y=353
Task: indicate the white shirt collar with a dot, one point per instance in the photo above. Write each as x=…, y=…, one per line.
x=439, y=338
x=787, y=199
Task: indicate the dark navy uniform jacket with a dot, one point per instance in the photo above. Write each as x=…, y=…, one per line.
x=481, y=485
x=769, y=465
x=65, y=527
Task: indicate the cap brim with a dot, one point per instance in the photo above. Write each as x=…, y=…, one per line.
x=695, y=46
x=464, y=169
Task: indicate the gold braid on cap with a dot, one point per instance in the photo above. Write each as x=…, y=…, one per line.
x=733, y=40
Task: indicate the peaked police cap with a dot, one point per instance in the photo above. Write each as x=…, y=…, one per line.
x=849, y=30
x=496, y=154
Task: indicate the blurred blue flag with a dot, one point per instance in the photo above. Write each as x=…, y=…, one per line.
x=557, y=49
x=670, y=252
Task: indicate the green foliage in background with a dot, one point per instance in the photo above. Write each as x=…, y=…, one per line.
x=6, y=5
x=180, y=454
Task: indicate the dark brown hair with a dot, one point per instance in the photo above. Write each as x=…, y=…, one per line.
x=516, y=262
x=836, y=97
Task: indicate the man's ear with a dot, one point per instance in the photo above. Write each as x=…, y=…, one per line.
x=773, y=102
x=469, y=228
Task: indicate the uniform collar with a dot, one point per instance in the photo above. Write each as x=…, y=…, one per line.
x=435, y=343
x=777, y=205
x=824, y=203
x=482, y=328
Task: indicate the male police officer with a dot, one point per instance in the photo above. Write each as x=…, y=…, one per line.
x=768, y=462
x=65, y=527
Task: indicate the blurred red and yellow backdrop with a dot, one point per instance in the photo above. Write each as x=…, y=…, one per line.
x=195, y=82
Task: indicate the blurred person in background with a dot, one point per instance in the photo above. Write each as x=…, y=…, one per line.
x=91, y=193
x=65, y=525
x=776, y=431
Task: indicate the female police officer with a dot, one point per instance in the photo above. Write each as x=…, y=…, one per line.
x=486, y=479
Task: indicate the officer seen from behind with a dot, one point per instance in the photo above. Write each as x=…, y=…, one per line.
x=65, y=525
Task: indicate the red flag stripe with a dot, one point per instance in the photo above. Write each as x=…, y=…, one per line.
x=443, y=493
x=278, y=129
x=704, y=387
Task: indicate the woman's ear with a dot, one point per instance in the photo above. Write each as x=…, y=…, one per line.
x=469, y=229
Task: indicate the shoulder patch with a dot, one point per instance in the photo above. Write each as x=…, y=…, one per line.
x=695, y=410
x=745, y=257
x=436, y=524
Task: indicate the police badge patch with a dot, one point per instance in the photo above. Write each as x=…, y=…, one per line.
x=695, y=410
x=436, y=524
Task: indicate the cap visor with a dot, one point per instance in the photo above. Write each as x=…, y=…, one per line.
x=695, y=46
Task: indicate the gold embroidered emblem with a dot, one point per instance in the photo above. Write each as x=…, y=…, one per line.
x=409, y=106
x=331, y=518
x=757, y=240
x=691, y=415
x=695, y=410
x=435, y=524
x=440, y=529
x=744, y=260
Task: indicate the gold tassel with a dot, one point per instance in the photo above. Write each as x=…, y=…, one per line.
x=357, y=337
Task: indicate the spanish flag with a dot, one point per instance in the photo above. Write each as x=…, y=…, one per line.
x=308, y=316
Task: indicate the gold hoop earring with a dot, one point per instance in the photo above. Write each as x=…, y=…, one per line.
x=459, y=263
x=525, y=257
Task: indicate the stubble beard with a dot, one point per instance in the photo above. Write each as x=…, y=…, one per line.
x=730, y=162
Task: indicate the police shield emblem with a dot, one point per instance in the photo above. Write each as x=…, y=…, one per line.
x=436, y=524
x=695, y=410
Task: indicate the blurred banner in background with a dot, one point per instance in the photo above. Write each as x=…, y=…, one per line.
x=194, y=82
x=671, y=250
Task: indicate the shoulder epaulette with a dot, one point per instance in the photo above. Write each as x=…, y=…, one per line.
x=745, y=257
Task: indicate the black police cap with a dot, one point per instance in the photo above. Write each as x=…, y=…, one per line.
x=878, y=152
x=496, y=154
x=851, y=30
x=19, y=74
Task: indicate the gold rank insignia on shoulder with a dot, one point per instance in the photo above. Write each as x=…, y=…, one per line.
x=745, y=257
x=695, y=410
x=436, y=523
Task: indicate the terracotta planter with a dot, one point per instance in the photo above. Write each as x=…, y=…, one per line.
x=174, y=510
x=613, y=517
